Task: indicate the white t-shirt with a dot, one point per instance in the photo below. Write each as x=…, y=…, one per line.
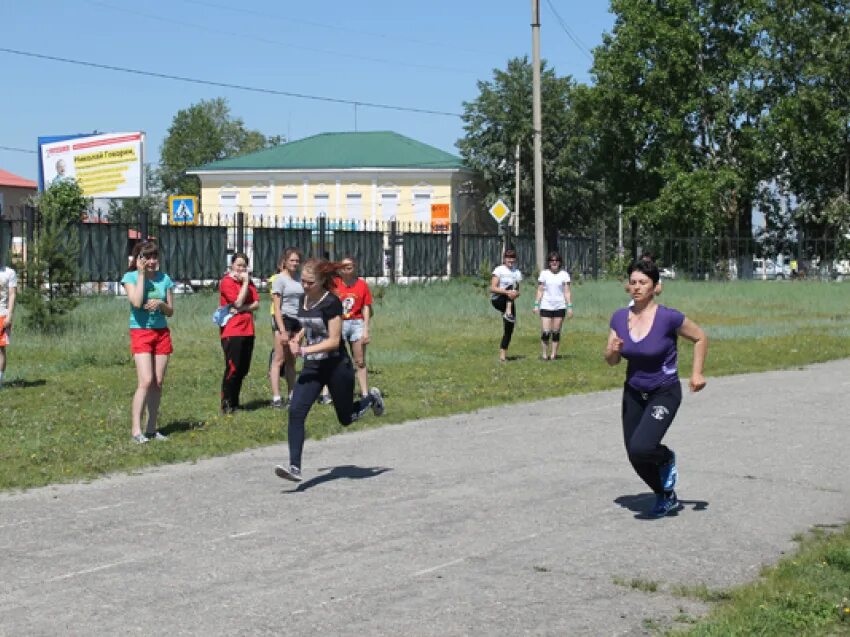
x=8, y=280
x=554, y=284
x=507, y=278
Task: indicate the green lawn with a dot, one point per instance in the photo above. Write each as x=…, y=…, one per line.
x=64, y=414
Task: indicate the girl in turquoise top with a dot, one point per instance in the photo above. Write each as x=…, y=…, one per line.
x=150, y=293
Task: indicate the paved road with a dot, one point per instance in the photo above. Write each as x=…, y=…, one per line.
x=509, y=521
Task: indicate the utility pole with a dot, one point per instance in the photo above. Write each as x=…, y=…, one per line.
x=620, y=249
x=516, y=192
x=539, y=242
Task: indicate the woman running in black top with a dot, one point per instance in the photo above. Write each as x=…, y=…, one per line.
x=326, y=362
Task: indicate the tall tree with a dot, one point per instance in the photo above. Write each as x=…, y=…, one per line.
x=202, y=133
x=499, y=119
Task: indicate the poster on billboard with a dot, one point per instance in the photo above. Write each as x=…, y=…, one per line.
x=105, y=166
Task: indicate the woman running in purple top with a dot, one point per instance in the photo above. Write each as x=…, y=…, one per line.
x=645, y=334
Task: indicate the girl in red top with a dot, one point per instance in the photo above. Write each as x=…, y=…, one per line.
x=237, y=334
x=357, y=310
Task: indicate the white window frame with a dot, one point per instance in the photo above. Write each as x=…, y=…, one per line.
x=227, y=210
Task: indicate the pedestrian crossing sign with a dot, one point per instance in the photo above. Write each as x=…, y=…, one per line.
x=182, y=210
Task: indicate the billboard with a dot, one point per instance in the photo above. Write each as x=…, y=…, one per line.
x=105, y=166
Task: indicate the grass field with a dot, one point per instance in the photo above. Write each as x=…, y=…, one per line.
x=64, y=413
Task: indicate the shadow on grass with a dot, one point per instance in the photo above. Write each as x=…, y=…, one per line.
x=347, y=471
x=23, y=383
x=641, y=504
x=181, y=425
x=254, y=405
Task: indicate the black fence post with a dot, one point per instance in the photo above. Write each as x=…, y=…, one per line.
x=323, y=243
x=393, y=239
x=454, y=248
x=240, y=231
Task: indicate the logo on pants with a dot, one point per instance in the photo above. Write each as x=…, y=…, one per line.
x=659, y=412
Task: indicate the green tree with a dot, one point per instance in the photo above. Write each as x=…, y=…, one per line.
x=200, y=134
x=52, y=271
x=500, y=118
x=151, y=205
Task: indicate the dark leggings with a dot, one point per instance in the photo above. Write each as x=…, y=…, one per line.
x=338, y=375
x=237, y=361
x=501, y=304
x=646, y=418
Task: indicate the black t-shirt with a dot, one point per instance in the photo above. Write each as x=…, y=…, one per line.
x=315, y=323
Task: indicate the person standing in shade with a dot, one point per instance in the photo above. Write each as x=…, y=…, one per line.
x=356, y=313
x=646, y=335
x=151, y=296
x=8, y=293
x=504, y=289
x=553, y=302
x=237, y=291
x=286, y=290
x=326, y=362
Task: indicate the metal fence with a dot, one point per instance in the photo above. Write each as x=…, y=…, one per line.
x=390, y=251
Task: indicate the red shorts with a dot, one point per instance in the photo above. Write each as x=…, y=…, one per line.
x=4, y=335
x=150, y=341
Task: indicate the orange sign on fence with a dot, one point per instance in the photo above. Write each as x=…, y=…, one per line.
x=440, y=217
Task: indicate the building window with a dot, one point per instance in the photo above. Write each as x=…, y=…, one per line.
x=320, y=204
x=354, y=206
x=290, y=207
x=422, y=207
x=259, y=206
x=389, y=205
x=227, y=207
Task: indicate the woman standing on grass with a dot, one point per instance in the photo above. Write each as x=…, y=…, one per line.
x=554, y=301
x=504, y=289
x=356, y=312
x=646, y=335
x=286, y=291
x=151, y=297
x=326, y=362
x=237, y=291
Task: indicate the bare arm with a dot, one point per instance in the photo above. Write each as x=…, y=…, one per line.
x=278, y=317
x=568, y=297
x=136, y=291
x=613, y=349
x=12, y=294
x=367, y=315
x=495, y=289
x=693, y=332
x=330, y=344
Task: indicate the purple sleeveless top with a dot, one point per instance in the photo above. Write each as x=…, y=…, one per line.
x=653, y=360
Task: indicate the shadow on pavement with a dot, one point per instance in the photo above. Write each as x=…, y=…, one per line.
x=641, y=503
x=348, y=471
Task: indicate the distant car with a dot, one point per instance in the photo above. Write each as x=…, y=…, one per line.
x=668, y=272
x=769, y=269
x=183, y=288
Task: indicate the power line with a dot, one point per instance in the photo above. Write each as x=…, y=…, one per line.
x=18, y=150
x=570, y=34
x=255, y=37
x=238, y=87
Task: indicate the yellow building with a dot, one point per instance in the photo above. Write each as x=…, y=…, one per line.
x=353, y=179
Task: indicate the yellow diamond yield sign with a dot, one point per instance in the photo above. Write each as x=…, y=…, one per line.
x=499, y=211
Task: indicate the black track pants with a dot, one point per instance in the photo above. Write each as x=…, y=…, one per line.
x=237, y=361
x=646, y=418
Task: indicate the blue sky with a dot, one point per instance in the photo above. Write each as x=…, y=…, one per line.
x=419, y=55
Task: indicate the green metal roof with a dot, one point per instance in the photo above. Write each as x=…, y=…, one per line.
x=378, y=149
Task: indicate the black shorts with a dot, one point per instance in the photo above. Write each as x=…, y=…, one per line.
x=291, y=325
x=553, y=313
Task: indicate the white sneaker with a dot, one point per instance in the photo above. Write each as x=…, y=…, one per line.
x=377, y=401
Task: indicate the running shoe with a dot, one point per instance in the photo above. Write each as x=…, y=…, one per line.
x=293, y=473
x=278, y=403
x=155, y=436
x=324, y=399
x=510, y=318
x=665, y=503
x=139, y=439
x=670, y=474
x=377, y=401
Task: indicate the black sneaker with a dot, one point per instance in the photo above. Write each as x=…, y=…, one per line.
x=324, y=399
x=293, y=473
x=377, y=401
x=277, y=403
x=510, y=318
x=155, y=435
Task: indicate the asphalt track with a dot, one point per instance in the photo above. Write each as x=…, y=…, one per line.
x=516, y=520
